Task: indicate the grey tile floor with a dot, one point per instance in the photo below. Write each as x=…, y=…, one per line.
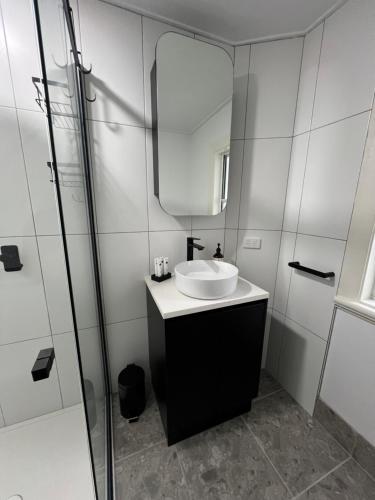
x=275, y=452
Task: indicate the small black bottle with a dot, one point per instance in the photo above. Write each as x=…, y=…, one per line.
x=218, y=255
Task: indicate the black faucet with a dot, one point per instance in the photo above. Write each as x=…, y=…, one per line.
x=190, y=247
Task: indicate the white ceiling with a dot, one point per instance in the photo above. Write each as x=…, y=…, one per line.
x=237, y=21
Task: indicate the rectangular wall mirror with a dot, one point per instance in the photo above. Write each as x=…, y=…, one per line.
x=192, y=89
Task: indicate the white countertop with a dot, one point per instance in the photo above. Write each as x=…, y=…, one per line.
x=172, y=303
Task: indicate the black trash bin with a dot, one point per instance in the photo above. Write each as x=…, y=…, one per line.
x=132, y=392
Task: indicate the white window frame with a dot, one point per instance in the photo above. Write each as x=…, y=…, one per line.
x=368, y=285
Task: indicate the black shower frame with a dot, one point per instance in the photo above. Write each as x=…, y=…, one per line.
x=80, y=84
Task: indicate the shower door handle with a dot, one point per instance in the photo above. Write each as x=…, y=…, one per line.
x=43, y=364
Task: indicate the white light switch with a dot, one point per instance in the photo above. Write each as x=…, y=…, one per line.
x=252, y=243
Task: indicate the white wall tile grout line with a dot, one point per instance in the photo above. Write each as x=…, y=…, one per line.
x=243, y=150
x=285, y=199
x=108, y=122
x=309, y=138
x=356, y=191
x=3, y=418
x=325, y=125
x=41, y=418
x=145, y=149
x=282, y=344
x=126, y=320
x=299, y=324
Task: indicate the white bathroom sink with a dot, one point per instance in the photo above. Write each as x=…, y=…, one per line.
x=206, y=279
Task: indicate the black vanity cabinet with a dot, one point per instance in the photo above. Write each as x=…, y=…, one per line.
x=205, y=366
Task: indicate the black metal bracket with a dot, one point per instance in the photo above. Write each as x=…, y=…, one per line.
x=43, y=364
x=320, y=274
x=10, y=258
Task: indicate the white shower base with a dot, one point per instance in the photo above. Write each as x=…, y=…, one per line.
x=47, y=458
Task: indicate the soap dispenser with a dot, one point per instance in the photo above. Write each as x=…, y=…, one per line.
x=218, y=255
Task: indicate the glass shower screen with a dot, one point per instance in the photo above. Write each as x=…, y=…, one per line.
x=61, y=92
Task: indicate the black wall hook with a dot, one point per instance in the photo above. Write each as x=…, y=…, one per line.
x=10, y=258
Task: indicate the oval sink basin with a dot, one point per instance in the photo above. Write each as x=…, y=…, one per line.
x=206, y=279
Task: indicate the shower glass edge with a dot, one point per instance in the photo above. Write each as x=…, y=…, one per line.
x=64, y=103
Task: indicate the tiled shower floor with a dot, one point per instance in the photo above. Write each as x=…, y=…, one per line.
x=274, y=452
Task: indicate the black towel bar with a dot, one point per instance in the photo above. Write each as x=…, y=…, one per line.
x=297, y=265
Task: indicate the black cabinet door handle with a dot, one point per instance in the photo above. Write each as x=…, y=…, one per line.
x=315, y=272
x=43, y=364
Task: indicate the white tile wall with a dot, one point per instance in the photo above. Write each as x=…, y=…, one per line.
x=300, y=364
x=262, y=201
x=21, y=397
x=228, y=48
x=256, y=203
x=311, y=298
x=260, y=265
x=158, y=219
x=116, y=57
x=234, y=184
x=67, y=367
x=208, y=222
x=124, y=264
x=332, y=171
x=348, y=383
x=23, y=308
x=22, y=49
x=119, y=161
x=79, y=251
x=295, y=182
x=91, y=353
x=27, y=203
x=125, y=256
x=56, y=284
x=16, y=218
x=209, y=239
x=6, y=90
x=127, y=343
x=152, y=31
x=126, y=185
x=230, y=246
x=346, y=78
x=35, y=146
x=273, y=86
x=337, y=81
x=240, y=86
x=309, y=73
x=72, y=189
x=275, y=340
x=171, y=244
x=266, y=336
x=286, y=254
